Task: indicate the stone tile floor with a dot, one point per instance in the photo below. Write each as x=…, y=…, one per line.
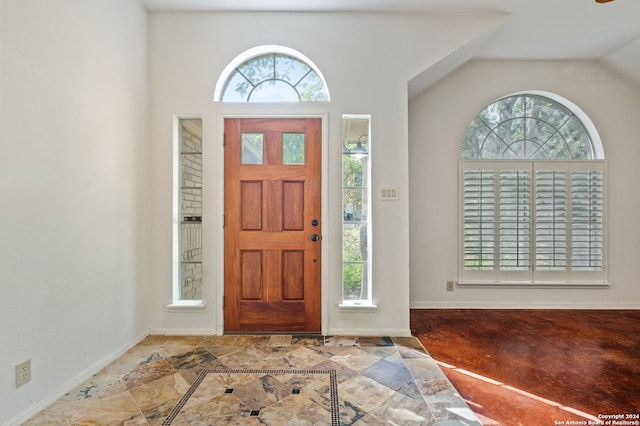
x=265, y=379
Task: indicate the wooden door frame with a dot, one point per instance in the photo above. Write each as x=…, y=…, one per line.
x=326, y=240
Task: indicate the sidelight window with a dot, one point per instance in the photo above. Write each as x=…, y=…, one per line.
x=187, y=275
x=356, y=211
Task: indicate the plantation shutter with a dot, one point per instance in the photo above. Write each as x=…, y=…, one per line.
x=514, y=218
x=587, y=220
x=496, y=225
x=551, y=220
x=479, y=219
x=534, y=221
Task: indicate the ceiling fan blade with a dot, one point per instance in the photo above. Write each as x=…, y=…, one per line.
x=603, y=1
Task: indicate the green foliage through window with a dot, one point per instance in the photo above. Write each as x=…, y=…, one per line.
x=293, y=148
x=356, y=284
x=526, y=127
x=274, y=77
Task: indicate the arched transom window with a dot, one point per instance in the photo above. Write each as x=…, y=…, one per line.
x=282, y=75
x=532, y=195
x=524, y=127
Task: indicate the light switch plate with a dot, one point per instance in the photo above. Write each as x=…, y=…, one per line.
x=389, y=193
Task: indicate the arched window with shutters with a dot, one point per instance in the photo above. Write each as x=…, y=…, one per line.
x=533, y=195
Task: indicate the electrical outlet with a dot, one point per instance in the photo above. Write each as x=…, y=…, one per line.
x=23, y=373
x=449, y=285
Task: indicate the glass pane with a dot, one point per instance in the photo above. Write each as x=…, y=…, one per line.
x=538, y=133
x=191, y=281
x=274, y=91
x=547, y=111
x=354, y=242
x=354, y=278
x=352, y=171
x=520, y=127
x=252, y=147
x=293, y=148
x=354, y=205
x=577, y=139
x=311, y=88
x=259, y=69
x=473, y=141
x=503, y=110
x=290, y=70
x=191, y=204
x=237, y=89
x=555, y=148
x=191, y=240
x=191, y=170
x=511, y=133
x=492, y=147
x=191, y=136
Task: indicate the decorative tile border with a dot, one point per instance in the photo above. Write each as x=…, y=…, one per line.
x=333, y=386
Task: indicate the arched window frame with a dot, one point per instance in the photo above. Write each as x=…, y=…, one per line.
x=233, y=69
x=533, y=220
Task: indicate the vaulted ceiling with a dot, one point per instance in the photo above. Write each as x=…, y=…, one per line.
x=534, y=29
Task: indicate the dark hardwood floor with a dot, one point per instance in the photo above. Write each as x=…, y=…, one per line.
x=538, y=367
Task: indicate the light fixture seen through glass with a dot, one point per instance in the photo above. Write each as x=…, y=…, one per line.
x=359, y=151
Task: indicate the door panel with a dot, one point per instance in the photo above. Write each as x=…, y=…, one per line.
x=251, y=267
x=293, y=274
x=272, y=196
x=251, y=205
x=293, y=213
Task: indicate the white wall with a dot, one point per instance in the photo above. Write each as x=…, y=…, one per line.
x=438, y=120
x=626, y=60
x=85, y=208
x=367, y=60
x=72, y=179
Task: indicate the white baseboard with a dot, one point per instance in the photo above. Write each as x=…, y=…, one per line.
x=520, y=305
x=75, y=381
x=331, y=332
x=369, y=332
x=184, y=331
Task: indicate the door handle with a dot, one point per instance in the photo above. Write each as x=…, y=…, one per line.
x=315, y=237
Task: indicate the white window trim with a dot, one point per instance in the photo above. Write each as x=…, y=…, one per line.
x=259, y=51
x=357, y=306
x=187, y=306
x=177, y=304
x=360, y=304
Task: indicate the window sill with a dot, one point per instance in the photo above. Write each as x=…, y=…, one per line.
x=187, y=306
x=357, y=307
x=528, y=284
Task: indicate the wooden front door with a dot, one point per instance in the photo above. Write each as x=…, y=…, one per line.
x=272, y=232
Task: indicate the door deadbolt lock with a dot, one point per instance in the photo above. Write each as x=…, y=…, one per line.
x=314, y=222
